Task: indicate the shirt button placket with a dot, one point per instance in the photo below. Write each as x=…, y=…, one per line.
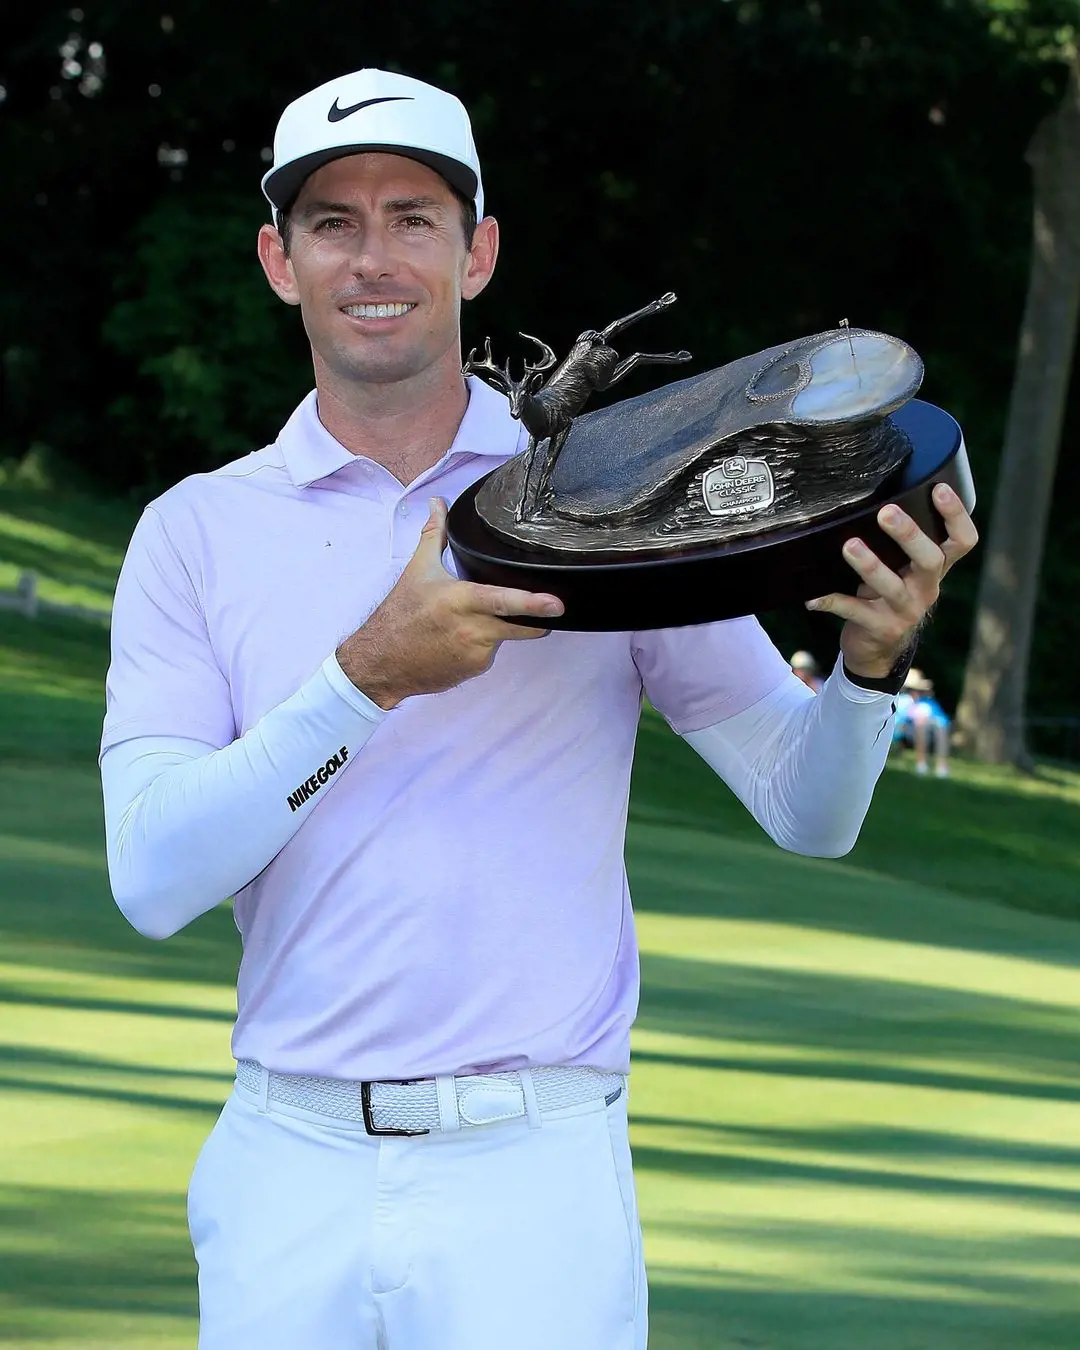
x=402, y=545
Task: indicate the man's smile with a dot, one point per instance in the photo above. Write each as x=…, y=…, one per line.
x=379, y=310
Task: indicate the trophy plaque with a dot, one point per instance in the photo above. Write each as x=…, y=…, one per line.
x=719, y=495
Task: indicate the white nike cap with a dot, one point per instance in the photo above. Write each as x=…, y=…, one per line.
x=373, y=110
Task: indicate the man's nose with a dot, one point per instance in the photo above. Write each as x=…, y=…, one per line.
x=374, y=255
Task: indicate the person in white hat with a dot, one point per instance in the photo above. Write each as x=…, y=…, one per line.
x=807, y=669
x=419, y=804
x=922, y=723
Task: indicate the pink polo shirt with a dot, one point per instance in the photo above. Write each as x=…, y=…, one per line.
x=457, y=900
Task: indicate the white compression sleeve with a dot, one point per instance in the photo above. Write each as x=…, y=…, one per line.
x=187, y=825
x=804, y=765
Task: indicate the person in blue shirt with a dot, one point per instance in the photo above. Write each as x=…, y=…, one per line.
x=922, y=723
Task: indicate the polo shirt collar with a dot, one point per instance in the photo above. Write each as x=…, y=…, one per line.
x=311, y=453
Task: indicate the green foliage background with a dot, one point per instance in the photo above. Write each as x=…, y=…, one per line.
x=778, y=163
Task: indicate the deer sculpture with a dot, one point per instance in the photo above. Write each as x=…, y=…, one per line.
x=547, y=409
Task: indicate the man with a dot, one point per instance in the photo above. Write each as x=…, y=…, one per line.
x=419, y=802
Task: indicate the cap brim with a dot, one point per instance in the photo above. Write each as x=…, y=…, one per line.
x=281, y=186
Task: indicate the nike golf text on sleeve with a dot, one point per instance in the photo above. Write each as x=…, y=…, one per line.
x=456, y=900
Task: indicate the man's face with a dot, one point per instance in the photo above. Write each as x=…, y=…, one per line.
x=379, y=230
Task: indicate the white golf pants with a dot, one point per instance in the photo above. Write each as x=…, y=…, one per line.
x=312, y=1235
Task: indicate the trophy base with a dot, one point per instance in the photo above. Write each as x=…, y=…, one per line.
x=722, y=581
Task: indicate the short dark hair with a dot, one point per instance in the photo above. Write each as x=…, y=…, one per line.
x=283, y=219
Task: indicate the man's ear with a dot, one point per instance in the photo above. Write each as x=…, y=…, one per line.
x=480, y=260
x=276, y=265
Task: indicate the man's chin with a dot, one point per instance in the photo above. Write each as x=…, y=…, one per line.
x=380, y=368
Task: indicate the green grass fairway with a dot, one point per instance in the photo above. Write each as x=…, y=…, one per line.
x=72, y=541
x=856, y=1099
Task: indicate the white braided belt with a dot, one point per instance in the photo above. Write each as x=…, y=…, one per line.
x=414, y=1107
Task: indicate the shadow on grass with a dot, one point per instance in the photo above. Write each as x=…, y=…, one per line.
x=875, y=1141
x=56, y=909
x=97, y=940
x=706, y=874
x=102, y=1093
x=58, y=561
x=36, y=1057
x=87, y=1092
x=973, y=840
x=94, y=1251
x=21, y=998
x=725, y=1165
x=63, y=1074
x=691, y=1310
x=990, y=1043
x=105, y=521
x=846, y=1071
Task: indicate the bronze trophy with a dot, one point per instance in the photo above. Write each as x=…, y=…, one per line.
x=723, y=494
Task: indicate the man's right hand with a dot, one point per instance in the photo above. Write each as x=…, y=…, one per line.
x=432, y=631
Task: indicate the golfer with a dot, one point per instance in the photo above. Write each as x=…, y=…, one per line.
x=419, y=802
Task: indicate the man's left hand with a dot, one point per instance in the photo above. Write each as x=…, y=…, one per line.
x=883, y=616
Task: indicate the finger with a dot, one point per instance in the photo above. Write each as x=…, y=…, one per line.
x=505, y=602
x=963, y=536
x=432, y=542
x=517, y=632
x=925, y=554
x=866, y=612
x=888, y=620
x=880, y=580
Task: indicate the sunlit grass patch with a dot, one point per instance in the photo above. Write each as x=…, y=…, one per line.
x=72, y=541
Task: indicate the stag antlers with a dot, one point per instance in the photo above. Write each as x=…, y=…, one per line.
x=499, y=376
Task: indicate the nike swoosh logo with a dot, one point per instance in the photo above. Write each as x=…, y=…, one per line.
x=336, y=114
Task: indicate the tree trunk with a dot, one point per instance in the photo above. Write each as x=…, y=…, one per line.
x=993, y=703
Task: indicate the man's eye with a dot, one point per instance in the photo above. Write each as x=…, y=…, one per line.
x=416, y=222
x=331, y=225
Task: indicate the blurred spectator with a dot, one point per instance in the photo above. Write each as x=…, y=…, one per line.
x=921, y=723
x=807, y=669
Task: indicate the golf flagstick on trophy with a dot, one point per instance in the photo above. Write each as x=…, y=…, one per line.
x=723, y=494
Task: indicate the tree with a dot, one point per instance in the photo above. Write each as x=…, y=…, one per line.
x=776, y=164
x=993, y=704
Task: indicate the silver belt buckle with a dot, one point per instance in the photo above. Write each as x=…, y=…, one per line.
x=369, y=1120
